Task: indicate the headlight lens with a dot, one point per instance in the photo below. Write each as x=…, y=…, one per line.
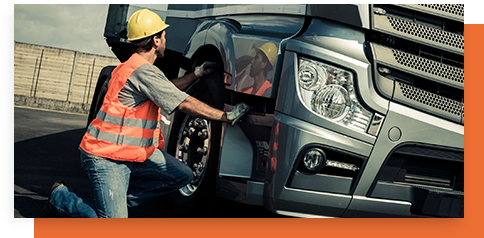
x=310, y=76
x=329, y=91
x=331, y=101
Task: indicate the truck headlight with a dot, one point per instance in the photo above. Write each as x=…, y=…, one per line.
x=329, y=91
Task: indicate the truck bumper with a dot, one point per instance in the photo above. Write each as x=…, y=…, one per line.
x=369, y=192
x=295, y=193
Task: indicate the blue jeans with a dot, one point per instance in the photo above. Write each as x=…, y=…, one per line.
x=113, y=190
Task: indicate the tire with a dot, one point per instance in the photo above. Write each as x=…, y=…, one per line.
x=97, y=102
x=197, y=198
x=99, y=92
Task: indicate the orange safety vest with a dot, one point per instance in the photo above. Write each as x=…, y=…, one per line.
x=261, y=90
x=120, y=132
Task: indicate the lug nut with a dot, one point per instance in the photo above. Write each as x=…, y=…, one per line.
x=183, y=148
x=203, y=125
x=190, y=131
x=200, y=124
x=202, y=150
x=203, y=134
x=198, y=167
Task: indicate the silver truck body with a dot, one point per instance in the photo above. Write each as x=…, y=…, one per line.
x=404, y=159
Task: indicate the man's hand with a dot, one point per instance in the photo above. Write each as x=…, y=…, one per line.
x=204, y=69
x=237, y=113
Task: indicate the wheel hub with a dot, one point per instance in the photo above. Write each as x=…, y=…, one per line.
x=193, y=148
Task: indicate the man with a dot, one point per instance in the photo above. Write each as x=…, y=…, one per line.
x=124, y=140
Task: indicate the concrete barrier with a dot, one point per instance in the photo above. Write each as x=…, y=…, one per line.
x=56, y=79
x=51, y=104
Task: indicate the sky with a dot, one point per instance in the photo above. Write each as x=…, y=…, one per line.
x=77, y=27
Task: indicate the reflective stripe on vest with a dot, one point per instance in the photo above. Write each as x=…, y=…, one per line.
x=121, y=139
x=132, y=122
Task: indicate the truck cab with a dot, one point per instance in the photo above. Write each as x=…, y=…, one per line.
x=357, y=110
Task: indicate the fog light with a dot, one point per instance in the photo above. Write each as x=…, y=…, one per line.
x=342, y=165
x=314, y=159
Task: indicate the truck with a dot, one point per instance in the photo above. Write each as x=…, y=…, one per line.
x=357, y=109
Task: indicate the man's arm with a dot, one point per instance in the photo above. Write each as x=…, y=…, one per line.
x=194, y=107
x=197, y=108
x=182, y=83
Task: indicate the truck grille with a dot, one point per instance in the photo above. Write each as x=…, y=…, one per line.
x=453, y=10
x=418, y=52
x=430, y=167
x=420, y=167
x=429, y=177
x=433, y=100
x=452, y=75
x=418, y=31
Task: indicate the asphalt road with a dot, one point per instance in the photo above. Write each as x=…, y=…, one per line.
x=46, y=149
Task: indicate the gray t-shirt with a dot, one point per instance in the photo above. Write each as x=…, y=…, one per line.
x=149, y=83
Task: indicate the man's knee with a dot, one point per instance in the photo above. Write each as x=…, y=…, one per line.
x=188, y=176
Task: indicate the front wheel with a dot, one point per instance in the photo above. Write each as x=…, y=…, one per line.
x=196, y=142
x=193, y=149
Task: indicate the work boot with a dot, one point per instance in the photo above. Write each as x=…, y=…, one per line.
x=47, y=212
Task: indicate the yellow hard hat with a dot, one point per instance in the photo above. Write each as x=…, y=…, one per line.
x=270, y=51
x=144, y=23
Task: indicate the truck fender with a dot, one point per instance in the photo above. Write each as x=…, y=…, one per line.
x=220, y=35
x=196, y=40
x=216, y=34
